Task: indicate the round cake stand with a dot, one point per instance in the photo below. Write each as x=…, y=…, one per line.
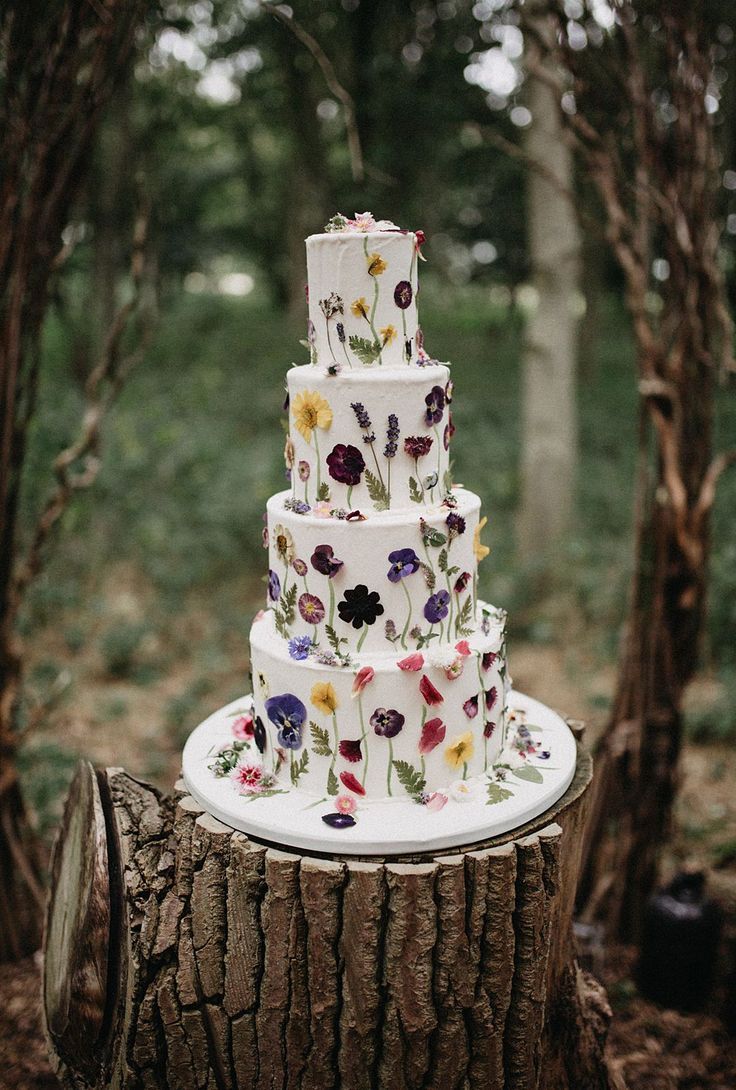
x=391, y=826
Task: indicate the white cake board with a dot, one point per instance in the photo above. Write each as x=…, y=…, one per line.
x=386, y=827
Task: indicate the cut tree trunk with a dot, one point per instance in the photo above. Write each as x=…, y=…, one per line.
x=182, y=955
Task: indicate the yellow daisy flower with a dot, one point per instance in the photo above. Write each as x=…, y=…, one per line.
x=284, y=543
x=460, y=750
x=376, y=265
x=360, y=308
x=310, y=410
x=481, y=551
x=388, y=335
x=324, y=697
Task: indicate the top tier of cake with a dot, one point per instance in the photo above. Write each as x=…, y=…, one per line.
x=362, y=292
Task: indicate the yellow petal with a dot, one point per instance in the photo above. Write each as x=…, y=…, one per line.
x=324, y=697
x=481, y=551
x=310, y=410
x=460, y=749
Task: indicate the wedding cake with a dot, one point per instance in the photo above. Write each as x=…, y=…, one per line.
x=377, y=670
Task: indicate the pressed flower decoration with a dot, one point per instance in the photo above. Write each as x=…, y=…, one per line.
x=310, y=411
x=287, y=713
x=460, y=750
x=481, y=551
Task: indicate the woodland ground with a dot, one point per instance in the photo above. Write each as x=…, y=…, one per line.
x=138, y=627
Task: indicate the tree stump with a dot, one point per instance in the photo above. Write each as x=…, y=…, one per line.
x=182, y=955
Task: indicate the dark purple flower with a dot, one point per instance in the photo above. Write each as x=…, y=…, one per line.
x=387, y=722
x=340, y=332
x=470, y=707
x=437, y=606
x=339, y=821
x=461, y=582
x=403, y=562
x=345, y=464
x=491, y=698
x=489, y=657
x=361, y=414
x=488, y=728
x=455, y=524
x=259, y=734
x=416, y=446
x=299, y=567
x=435, y=402
x=311, y=609
x=274, y=586
x=325, y=562
x=448, y=432
x=360, y=606
x=403, y=294
x=392, y=436
x=350, y=750
x=287, y=713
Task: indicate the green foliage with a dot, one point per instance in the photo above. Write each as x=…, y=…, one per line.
x=320, y=740
x=366, y=351
x=497, y=793
x=376, y=491
x=410, y=778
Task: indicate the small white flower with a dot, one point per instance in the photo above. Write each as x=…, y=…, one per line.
x=460, y=791
x=442, y=658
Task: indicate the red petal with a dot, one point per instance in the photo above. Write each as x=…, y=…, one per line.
x=352, y=784
x=433, y=732
x=411, y=662
x=429, y=692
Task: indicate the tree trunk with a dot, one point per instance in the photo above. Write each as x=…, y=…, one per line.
x=549, y=361
x=180, y=954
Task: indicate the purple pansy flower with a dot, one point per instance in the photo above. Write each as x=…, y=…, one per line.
x=435, y=402
x=387, y=722
x=287, y=713
x=299, y=647
x=311, y=608
x=437, y=606
x=403, y=562
x=324, y=561
x=470, y=707
x=274, y=586
x=403, y=294
x=345, y=464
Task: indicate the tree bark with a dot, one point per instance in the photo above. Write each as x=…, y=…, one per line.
x=549, y=361
x=206, y=959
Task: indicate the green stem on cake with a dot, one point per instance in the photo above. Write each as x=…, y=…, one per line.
x=442, y=631
x=363, y=635
x=465, y=770
x=315, y=638
x=439, y=453
x=403, y=327
x=347, y=357
x=417, y=478
x=306, y=491
x=483, y=712
x=319, y=466
x=408, y=615
x=390, y=766
x=388, y=481
x=371, y=320
x=336, y=748
x=329, y=342
x=350, y=495
x=378, y=468
x=332, y=602
x=363, y=735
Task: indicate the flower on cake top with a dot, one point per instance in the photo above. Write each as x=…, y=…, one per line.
x=345, y=464
x=437, y=606
x=362, y=222
x=287, y=713
x=376, y=264
x=324, y=561
x=460, y=750
x=481, y=551
x=299, y=647
x=349, y=750
x=433, y=732
x=274, y=586
x=403, y=294
x=311, y=608
x=284, y=543
x=360, y=606
x=310, y=410
x=403, y=562
x=324, y=697
x=387, y=722
x=416, y=446
x=435, y=402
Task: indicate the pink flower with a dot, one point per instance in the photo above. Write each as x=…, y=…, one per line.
x=429, y=692
x=436, y=801
x=455, y=669
x=463, y=647
x=352, y=783
x=248, y=777
x=322, y=509
x=363, y=677
x=411, y=662
x=242, y=727
x=433, y=732
x=363, y=221
x=345, y=804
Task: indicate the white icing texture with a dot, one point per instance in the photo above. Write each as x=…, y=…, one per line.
x=362, y=291
x=390, y=725
x=368, y=440
x=401, y=581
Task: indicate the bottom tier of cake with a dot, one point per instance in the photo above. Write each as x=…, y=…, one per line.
x=392, y=725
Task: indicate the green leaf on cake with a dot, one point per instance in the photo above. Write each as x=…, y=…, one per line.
x=376, y=491
x=452, y=571
x=415, y=492
x=366, y=351
x=410, y=778
x=320, y=740
x=529, y=773
x=497, y=793
x=463, y=626
x=332, y=785
x=433, y=537
x=287, y=605
x=442, y=560
x=298, y=768
x=280, y=622
x=323, y=492
x=333, y=639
